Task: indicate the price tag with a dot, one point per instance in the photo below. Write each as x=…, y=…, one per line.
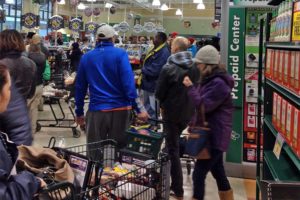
x=278, y=145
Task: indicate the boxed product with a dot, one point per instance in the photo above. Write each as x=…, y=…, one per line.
x=296, y=132
x=286, y=68
x=269, y=62
x=276, y=65
x=252, y=109
x=278, y=113
x=283, y=117
x=292, y=70
x=274, y=111
x=280, y=67
x=289, y=123
x=297, y=74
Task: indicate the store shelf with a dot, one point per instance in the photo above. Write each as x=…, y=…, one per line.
x=280, y=169
x=283, y=45
x=285, y=91
x=287, y=148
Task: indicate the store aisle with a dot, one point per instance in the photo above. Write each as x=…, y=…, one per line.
x=244, y=189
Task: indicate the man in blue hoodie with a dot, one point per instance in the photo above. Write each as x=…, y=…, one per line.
x=107, y=73
x=154, y=61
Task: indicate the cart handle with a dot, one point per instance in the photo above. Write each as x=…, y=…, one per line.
x=52, y=142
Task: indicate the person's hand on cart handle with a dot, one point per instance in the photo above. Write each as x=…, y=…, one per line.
x=143, y=116
x=187, y=82
x=43, y=183
x=80, y=120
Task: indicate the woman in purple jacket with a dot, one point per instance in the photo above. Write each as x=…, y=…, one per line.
x=214, y=92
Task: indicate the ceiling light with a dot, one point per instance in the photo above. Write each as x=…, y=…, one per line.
x=164, y=7
x=201, y=6
x=156, y=3
x=81, y=6
x=178, y=12
x=91, y=0
x=10, y=1
x=62, y=2
x=198, y=1
x=108, y=5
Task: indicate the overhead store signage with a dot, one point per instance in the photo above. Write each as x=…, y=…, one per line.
x=56, y=22
x=149, y=27
x=160, y=28
x=91, y=27
x=247, y=3
x=138, y=28
x=296, y=22
x=218, y=10
x=116, y=27
x=124, y=27
x=236, y=57
x=30, y=20
x=76, y=24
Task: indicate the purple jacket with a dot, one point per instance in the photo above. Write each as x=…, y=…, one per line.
x=215, y=93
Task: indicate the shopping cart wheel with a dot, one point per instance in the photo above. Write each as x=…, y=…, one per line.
x=76, y=133
x=38, y=127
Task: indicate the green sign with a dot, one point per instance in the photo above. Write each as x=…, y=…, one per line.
x=255, y=3
x=236, y=57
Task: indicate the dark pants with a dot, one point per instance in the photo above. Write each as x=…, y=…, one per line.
x=216, y=167
x=107, y=125
x=173, y=131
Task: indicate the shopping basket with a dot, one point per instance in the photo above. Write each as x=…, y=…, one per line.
x=110, y=176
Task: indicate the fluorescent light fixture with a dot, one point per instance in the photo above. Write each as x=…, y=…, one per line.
x=91, y=0
x=62, y=2
x=10, y=1
x=200, y=6
x=81, y=6
x=198, y=1
x=156, y=3
x=108, y=5
x=178, y=12
x=164, y=7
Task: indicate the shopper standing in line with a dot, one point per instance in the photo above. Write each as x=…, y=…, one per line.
x=37, y=40
x=192, y=47
x=108, y=75
x=75, y=56
x=214, y=92
x=155, y=59
x=22, y=71
x=13, y=186
x=176, y=107
x=39, y=59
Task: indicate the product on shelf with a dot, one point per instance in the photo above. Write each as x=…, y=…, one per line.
x=296, y=132
x=269, y=63
x=274, y=113
x=286, y=68
x=289, y=123
x=297, y=74
x=280, y=67
x=292, y=71
x=278, y=113
x=283, y=117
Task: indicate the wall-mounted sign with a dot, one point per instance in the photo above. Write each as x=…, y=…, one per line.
x=149, y=27
x=247, y=3
x=138, y=28
x=56, y=22
x=124, y=27
x=76, y=24
x=29, y=20
x=91, y=27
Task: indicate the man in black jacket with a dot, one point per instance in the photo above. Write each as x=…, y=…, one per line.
x=176, y=107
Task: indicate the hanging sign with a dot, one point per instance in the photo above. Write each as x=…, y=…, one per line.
x=112, y=10
x=96, y=11
x=56, y=22
x=74, y=2
x=29, y=20
x=247, y=3
x=218, y=4
x=75, y=24
x=116, y=27
x=296, y=22
x=88, y=12
x=124, y=27
x=149, y=27
x=91, y=27
x=138, y=28
x=160, y=28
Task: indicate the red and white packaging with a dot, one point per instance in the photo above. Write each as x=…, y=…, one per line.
x=269, y=62
x=251, y=121
x=280, y=67
x=286, y=68
x=297, y=73
x=296, y=132
x=292, y=70
x=276, y=65
x=283, y=117
x=274, y=111
x=278, y=113
x=289, y=123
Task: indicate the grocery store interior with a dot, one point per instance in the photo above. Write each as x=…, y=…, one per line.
x=107, y=99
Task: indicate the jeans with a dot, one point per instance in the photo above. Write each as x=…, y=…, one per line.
x=173, y=131
x=216, y=167
x=150, y=105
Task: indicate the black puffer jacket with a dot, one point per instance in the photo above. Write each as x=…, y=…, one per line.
x=22, y=70
x=170, y=90
x=40, y=60
x=15, y=120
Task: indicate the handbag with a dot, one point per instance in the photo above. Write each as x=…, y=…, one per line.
x=198, y=139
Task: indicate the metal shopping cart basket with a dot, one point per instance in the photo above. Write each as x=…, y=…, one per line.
x=107, y=172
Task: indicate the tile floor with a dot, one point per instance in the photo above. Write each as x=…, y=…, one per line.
x=244, y=189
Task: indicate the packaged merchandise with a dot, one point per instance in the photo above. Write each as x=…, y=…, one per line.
x=296, y=132
x=280, y=67
x=286, y=68
x=292, y=70
x=274, y=112
x=297, y=74
x=283, y=117
x=289, y=123
x=278, y=113
x=269, y=62
x=276, y=65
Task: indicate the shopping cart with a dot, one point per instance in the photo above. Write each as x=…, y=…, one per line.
x=103, y=177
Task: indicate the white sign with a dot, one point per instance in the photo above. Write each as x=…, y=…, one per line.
x=149, y=27
x=247, y=3
x=138, y=28
x=124, y=27
x=278, y=145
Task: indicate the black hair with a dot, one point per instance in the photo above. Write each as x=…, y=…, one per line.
x=162, y=36
x=30, y=35
x=3, y=76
